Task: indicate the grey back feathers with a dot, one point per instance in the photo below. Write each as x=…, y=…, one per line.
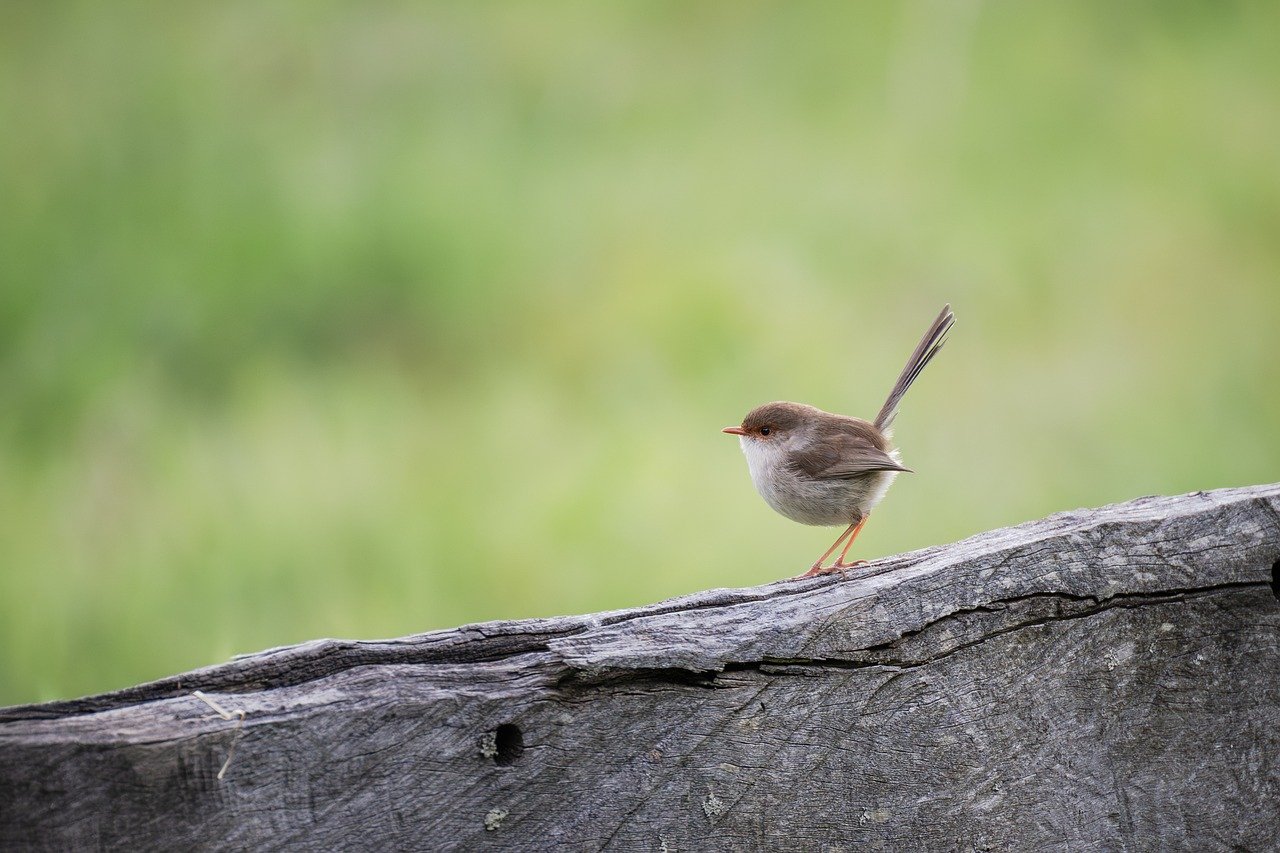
x=925, y=351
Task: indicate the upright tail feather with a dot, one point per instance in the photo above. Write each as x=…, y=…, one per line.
x=925, y=351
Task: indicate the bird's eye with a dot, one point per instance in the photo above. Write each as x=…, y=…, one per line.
x=765, y=430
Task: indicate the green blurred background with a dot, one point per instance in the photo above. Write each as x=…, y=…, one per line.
x=325, y=319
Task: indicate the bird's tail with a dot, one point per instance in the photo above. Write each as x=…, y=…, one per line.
x=925, y=351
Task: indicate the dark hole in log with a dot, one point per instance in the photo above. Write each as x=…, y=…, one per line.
x=1275, y=579
x=510, y=743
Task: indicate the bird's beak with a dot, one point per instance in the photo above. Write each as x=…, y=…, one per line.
x=734, y=430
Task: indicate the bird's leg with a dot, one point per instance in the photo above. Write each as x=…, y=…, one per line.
x=817, y=569
x=840, y=563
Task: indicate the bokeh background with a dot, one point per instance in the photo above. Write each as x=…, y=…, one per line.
x=323, y=319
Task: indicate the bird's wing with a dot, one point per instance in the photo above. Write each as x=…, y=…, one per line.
x=841, y=456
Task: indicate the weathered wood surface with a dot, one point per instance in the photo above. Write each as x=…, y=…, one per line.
x=1105, y=679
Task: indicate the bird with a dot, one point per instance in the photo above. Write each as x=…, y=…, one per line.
x=825, y=469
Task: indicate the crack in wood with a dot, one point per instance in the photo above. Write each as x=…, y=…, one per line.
x=872, y=657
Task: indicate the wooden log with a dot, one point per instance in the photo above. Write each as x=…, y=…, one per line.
x=1102, y=679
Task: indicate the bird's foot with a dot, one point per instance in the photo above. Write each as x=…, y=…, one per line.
x=817, y=569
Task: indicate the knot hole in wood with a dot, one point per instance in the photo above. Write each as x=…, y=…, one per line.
x=509, y=741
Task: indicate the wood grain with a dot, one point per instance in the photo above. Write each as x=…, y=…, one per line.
x=1100, y=679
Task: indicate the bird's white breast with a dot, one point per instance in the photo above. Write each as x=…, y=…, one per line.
x=805, y=499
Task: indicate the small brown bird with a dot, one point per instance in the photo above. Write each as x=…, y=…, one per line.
x=818, y=468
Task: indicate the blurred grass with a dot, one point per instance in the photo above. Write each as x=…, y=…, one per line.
x=320, y=320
